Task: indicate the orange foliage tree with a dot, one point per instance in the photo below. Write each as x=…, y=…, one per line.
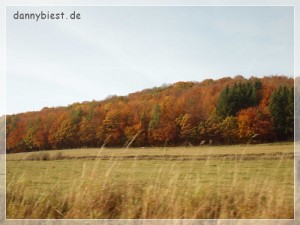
x=254, y=123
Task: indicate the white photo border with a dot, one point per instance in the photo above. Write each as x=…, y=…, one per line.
x=6, y=3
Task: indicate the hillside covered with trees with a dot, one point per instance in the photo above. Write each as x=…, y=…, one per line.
x=223, y=111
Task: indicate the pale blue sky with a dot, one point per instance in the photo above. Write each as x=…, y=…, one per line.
x=119, y=50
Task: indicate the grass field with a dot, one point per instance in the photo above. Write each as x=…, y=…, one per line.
x=177, y=151
x=251, y=181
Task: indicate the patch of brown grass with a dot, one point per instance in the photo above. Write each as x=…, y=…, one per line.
x=45, y=156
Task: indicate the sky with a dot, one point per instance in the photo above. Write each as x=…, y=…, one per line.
x=120, y=50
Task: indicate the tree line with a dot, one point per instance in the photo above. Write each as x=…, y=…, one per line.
x=223, y=111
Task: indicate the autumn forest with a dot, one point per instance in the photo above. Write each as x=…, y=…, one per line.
x=224, y=111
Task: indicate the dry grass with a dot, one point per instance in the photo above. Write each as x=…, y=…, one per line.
x=125, y=201
x=44, y=156
x=122, y=189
